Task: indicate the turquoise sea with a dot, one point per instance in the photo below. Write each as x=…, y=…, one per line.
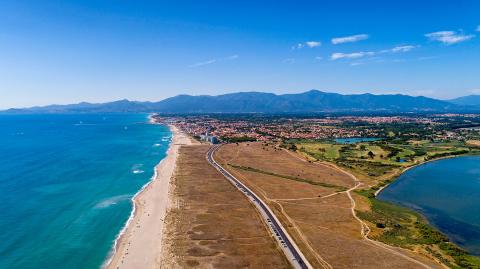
x=66, y=183
x=447, y=193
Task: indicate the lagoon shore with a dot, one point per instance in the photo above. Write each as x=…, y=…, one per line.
x=140, y=243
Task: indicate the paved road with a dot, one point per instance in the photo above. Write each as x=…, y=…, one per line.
x=291, y=250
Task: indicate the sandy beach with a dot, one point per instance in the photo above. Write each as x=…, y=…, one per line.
x=140, y=245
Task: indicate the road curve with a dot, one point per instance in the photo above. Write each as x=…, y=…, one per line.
x=291, y=250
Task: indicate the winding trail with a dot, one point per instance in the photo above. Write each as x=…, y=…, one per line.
x=364, y=230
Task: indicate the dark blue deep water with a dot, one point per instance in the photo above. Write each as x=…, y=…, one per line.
x=447, y=193
x=66, y=182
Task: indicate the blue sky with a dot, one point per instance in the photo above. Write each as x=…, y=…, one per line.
x=69, y=51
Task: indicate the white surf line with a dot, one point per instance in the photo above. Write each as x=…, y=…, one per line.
x=113, y=251
x=130, y=218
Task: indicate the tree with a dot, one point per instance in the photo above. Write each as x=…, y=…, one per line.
x=292, y=147
x=371, y=154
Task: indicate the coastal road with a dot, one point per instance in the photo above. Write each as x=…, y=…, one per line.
x=291, y=250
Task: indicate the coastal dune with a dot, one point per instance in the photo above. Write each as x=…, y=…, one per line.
x=140, y=244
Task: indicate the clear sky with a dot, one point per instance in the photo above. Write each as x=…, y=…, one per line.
x=60, y=51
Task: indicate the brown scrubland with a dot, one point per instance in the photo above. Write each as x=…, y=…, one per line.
x=211, y=224
x=315, y=202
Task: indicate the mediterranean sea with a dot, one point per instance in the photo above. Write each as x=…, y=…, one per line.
x=447, y=193
x=66, y=183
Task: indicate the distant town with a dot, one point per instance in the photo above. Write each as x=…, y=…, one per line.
x=258, y=127
x=302, y=165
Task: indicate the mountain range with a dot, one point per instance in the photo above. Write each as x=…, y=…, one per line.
x=242, y=102
x=470, y=100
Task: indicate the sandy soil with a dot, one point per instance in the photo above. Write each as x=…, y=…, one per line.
x=475, y=143
x=211, y=224
x=140, y=246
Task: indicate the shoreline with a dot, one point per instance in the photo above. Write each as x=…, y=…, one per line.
x=377, y=192
x=139, y=243
x=114, y=249
x=422, y=214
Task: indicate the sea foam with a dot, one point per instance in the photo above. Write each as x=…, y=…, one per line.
x=113, y=201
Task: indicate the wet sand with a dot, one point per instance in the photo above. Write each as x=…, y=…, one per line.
x=140, y=245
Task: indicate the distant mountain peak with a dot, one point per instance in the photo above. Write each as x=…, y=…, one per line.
x=253, y=101
x=469, y=100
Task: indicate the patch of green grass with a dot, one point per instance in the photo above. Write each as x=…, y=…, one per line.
x=473, y=260
x=320, y=150
x=461, y=257
x=398, y=223
x=406, y=228
x=331, y=152
x=386, y=157
x=370, y=168
x=405, y=153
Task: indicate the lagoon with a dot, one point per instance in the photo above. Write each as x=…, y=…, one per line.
x=447, y=193
x=353, y=140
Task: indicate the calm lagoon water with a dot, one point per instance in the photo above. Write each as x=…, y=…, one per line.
x=353, y=140
x=66, y=182
x=447, y=193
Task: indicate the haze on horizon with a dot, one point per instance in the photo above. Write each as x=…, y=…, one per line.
x=67, y=52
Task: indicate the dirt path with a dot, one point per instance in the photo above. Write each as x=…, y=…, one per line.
x=317, y=256
x=365, y=230
x=403, y=256
x=268, y=200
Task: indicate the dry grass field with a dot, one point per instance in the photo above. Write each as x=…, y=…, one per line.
x=312, y=201
x=273, y=160
x=211, y=223
x=475, y=143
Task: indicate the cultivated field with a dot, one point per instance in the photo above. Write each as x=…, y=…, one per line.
x=211, y=224
x=313, y=201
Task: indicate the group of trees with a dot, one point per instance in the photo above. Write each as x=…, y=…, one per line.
x=238, y=139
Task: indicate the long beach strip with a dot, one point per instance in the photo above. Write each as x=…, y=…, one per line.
x=140, y=243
